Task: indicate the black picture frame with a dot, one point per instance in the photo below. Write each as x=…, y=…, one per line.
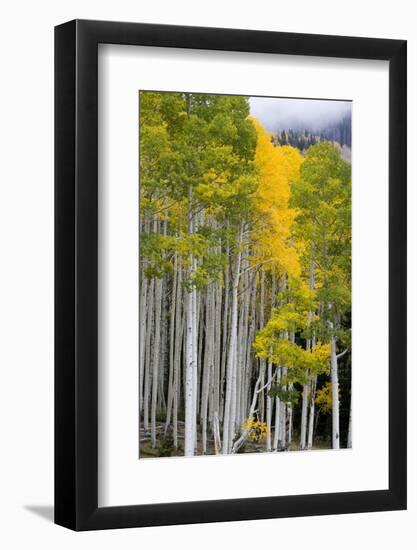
x=76, y=272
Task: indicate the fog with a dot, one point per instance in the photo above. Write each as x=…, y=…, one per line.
x=298, y=114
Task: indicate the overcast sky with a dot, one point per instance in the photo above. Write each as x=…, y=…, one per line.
x=310, y=114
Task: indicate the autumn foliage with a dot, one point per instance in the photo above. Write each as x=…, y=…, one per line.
x=244, y=281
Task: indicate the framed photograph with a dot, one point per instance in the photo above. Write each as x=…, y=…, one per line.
x=230, y=254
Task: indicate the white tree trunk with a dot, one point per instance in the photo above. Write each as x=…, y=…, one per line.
x=225, y=335
x=142, y=327
x=308, y=385
x=170, y=398
x=156, y=358
x=304, y=417
x=311, y=412
x=268, y=409
x=142, y=333
x=262, y=362
x=290, y=421
x=282, y=442
x=191, y=349
x=217, y=352
x=208, y=365
x=216, y=434
x=179, y=329
x=191, y=367
x=195, y=312
x=148, y=355
x=277, y=416
x=249, y=349
x=334, y=377
x=230, y=400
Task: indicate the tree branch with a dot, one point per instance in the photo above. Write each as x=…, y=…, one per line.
x=339, y=355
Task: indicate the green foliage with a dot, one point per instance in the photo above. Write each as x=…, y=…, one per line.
x=197, y=155
x=286, y=394
x=322, y=198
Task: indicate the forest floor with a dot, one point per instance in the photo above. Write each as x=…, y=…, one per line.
x=165, y=444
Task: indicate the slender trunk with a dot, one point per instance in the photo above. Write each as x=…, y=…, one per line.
x=290, y=420
x=311, y=412
x=262, y=363
x=268, y=409
x=239, y=442
x=208, y=361
x=142, y=327
x=200, y=339
x=156, y=358
x=225, y=334
x=179, y=329
x=229, y=420
x=252, y=328
x=191, y=367
x=269, y=400
x=242, y=343
x=195, y=311
x=191, y=362
x=156, y=348
x=216, y=434
x=217, y=356
x=334, y=377
x=164, y=355
x=303, y=432
x=148, y=356
x=282, y=443
x=239, y=363
x=170, y=397
x=275, y=444
x=308, y=384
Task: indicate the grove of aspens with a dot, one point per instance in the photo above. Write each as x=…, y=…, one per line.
x=245, y=283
